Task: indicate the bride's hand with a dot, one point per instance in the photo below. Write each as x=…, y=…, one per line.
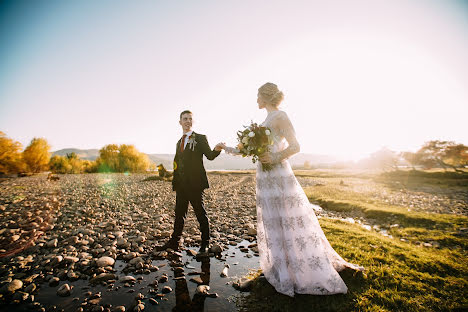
x=265, y=158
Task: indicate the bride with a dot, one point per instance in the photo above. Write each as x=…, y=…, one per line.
x=295, y=255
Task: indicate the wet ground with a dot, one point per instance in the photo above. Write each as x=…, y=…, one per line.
x=183, y=295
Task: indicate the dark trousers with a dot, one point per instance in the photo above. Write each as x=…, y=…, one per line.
x=183, y=198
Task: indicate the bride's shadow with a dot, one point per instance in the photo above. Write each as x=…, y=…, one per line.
x=197, y=302
x=261, y=289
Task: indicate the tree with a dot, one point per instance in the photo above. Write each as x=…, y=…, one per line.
x=131, y=160
x=59, y=164
x=10, y=156
x=444, y=153
x=383, y=159
x=71, y=163
x=108, y=159
x=89, y=166
x=37, y=155
x=123, y=158
x=456, y=156
x=414, y=159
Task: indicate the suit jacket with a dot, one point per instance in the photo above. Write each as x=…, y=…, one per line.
x=189, y=171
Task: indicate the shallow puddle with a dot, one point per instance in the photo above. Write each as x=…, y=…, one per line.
x=183, y=290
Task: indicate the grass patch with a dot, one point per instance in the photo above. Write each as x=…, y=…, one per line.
x=440, y=178
x=360, y=201
x=399, y=277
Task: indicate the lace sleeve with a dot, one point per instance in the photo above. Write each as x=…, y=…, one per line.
x=232, y=150
x=284, y=128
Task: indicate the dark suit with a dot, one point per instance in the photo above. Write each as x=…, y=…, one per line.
x=189, y=182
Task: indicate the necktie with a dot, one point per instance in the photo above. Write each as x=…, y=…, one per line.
x=182, y=143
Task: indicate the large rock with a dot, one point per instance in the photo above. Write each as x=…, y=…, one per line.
x=105, y=261
x=12, y=286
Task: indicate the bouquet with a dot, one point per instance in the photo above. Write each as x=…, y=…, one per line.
x=254, y=140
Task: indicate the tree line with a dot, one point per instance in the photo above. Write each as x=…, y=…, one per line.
x=433, y=154
x=36, y=157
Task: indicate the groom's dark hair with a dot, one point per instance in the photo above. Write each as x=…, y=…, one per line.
x=185, y=112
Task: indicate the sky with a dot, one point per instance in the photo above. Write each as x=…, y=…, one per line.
x=357, y=75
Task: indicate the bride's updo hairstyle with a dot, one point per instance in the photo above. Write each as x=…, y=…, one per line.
x=271, y=94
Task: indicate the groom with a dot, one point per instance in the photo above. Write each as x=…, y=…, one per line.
x=190, y=181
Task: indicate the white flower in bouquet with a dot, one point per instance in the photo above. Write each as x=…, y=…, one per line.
x=255, y=140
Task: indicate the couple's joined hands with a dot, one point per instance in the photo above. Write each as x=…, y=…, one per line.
x=265, y=158
x=220, y=146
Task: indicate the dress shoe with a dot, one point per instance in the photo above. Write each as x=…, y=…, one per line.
x=204, y=247
x=172, y=244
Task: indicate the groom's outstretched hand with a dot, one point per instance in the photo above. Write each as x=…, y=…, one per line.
x=219, y=147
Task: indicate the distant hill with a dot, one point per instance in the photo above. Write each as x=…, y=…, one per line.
x=222, y=162
x=88, y=154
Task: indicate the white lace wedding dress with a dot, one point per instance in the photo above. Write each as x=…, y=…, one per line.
x=295, y=255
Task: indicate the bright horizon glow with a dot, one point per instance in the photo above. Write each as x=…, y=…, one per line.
x=356, y=76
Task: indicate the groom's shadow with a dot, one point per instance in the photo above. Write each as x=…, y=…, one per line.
x=183, y=300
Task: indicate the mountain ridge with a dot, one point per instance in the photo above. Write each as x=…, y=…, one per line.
x=222, y=162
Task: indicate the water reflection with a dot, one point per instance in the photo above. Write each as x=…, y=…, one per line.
x=183, y=298
x=197, y=303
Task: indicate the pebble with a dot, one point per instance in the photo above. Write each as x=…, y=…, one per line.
x=224, y=272
x=64, y=290
x=197, y=280
x=216, y=248
x=127, y=279
x=105, y=261
x=102, y=278
x=52, y=243
x=54, y=281
x=30, y=288
x=243, y=284
x=166, y=289
x=202, y=289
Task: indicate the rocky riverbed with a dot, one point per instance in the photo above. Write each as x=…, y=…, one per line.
x=86, y=243
x=65, y=244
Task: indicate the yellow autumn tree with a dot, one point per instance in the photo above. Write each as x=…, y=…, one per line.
x=59, y=164
x=123, y=158
x=71, y=163
x=10, y=155
x=37, y=155
x=108, y=160
x=131, y=160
